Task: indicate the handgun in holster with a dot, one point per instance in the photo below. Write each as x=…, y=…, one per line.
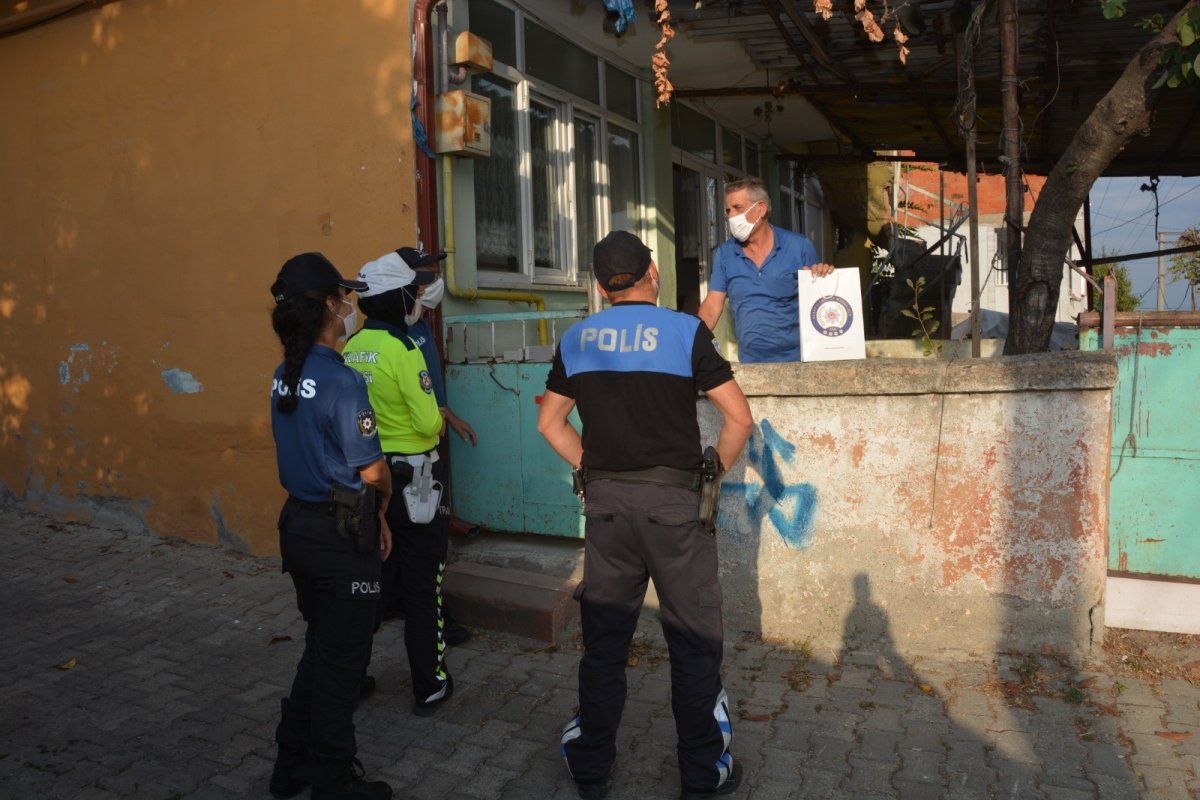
x=710, y=489
x=579, y=484
x=356, y=514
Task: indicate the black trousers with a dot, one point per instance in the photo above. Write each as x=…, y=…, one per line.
x=412, y=577
x=337, y=593
x=635, y=532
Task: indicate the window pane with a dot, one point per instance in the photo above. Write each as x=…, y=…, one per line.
x=731, y=148
x=623, y=179
x=497, y=205
x=752, y=160
x=544, y=152
x=496, y=24
x=787, y=174
x=622, y=91
x=586, y=193
x=553, y=59
x=694, y=132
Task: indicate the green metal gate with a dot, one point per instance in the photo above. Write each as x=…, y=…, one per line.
x=1154, y=484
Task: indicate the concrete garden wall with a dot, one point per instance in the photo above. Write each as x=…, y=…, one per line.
x=941, y=503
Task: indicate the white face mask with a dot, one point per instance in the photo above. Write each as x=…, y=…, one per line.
x=349, y=322
x=433, y=294
x=740, y=228
x=414, y=315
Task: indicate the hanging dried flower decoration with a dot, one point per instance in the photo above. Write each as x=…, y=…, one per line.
x=865, y=17
x=901, y=37
x=659, y=60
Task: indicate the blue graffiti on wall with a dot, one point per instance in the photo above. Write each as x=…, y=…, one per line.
x=790, y=508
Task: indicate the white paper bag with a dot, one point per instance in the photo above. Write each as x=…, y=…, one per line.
x=831, y=316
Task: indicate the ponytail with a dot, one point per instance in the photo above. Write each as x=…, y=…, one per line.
x=298, y=322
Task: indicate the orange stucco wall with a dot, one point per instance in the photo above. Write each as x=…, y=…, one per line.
x=159, y=160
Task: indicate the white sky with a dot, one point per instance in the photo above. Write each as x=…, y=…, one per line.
x=1123, y=222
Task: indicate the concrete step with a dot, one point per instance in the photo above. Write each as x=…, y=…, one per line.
x=514, y=601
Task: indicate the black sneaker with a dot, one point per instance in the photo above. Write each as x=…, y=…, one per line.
x=351, y=786
x=731, y=785
x=283, y=785
x=593, y=791
x=427, y=708
x=455, y=634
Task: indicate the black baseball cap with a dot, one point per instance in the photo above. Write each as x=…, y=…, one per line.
x=416, y=258
x=619, y=260
x=307, y=272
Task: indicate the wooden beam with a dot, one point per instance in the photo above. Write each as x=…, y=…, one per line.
x=1185, y=134
x=791, y=43
x=833, y=120
x=917, y=88
x=814, y=40
x=951, y=146
x=1050, y=71
x=1142, y=319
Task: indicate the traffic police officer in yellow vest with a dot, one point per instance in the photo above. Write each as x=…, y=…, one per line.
x=401, y=391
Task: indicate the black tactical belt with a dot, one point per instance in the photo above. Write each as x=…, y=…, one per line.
x=664, y=476
x=324, y=507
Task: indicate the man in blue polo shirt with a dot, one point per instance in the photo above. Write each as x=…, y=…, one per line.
x=757, y=269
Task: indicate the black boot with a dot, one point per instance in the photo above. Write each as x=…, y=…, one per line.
x=283, y=784
x=351, y=786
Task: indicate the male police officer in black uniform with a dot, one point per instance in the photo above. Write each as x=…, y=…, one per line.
x=633, y=370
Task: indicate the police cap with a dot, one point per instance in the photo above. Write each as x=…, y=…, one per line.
x=619, y=260
x=307, y=272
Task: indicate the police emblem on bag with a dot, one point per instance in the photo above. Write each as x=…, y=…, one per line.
x=426, y=381
x=831, y=315
x=366, y=423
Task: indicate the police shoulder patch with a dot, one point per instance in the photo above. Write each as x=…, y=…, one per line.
x=366, y=423
x=426, y=381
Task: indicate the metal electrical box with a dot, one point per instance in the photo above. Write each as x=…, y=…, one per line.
x=472, y=53
x=464, y=124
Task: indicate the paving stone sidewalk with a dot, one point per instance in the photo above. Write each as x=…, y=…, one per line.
x=141, y=667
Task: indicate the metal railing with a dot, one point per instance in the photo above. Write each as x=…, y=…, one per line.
x=463, y=333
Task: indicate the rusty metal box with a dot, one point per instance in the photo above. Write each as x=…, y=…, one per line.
x=473, y=53
x=464, y=124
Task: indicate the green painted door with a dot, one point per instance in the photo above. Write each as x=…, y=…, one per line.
x=1154, y=485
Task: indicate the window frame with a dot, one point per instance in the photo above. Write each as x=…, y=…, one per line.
x=529, y=89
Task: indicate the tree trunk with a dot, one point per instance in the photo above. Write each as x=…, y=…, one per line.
x=1122, y=114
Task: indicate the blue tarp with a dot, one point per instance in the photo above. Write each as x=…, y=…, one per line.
x=624, y=11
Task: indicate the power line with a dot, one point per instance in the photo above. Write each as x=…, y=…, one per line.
x=1148, y=211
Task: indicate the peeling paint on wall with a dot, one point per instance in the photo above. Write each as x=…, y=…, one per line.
x=181, y=382
x=225, y=536
x=788, y=507
x=64, y=367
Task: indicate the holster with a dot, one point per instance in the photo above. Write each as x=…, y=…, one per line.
x=579, y=484
x=356, y=514
x=710, y=489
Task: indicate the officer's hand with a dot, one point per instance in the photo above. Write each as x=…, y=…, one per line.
x=462, y=428
x=385, y=538
x=821, y=270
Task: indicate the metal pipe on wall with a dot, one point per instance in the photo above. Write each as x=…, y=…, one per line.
x=427, y=183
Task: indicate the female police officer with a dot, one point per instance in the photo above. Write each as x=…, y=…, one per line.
x=401, y=390
x=327, y=450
